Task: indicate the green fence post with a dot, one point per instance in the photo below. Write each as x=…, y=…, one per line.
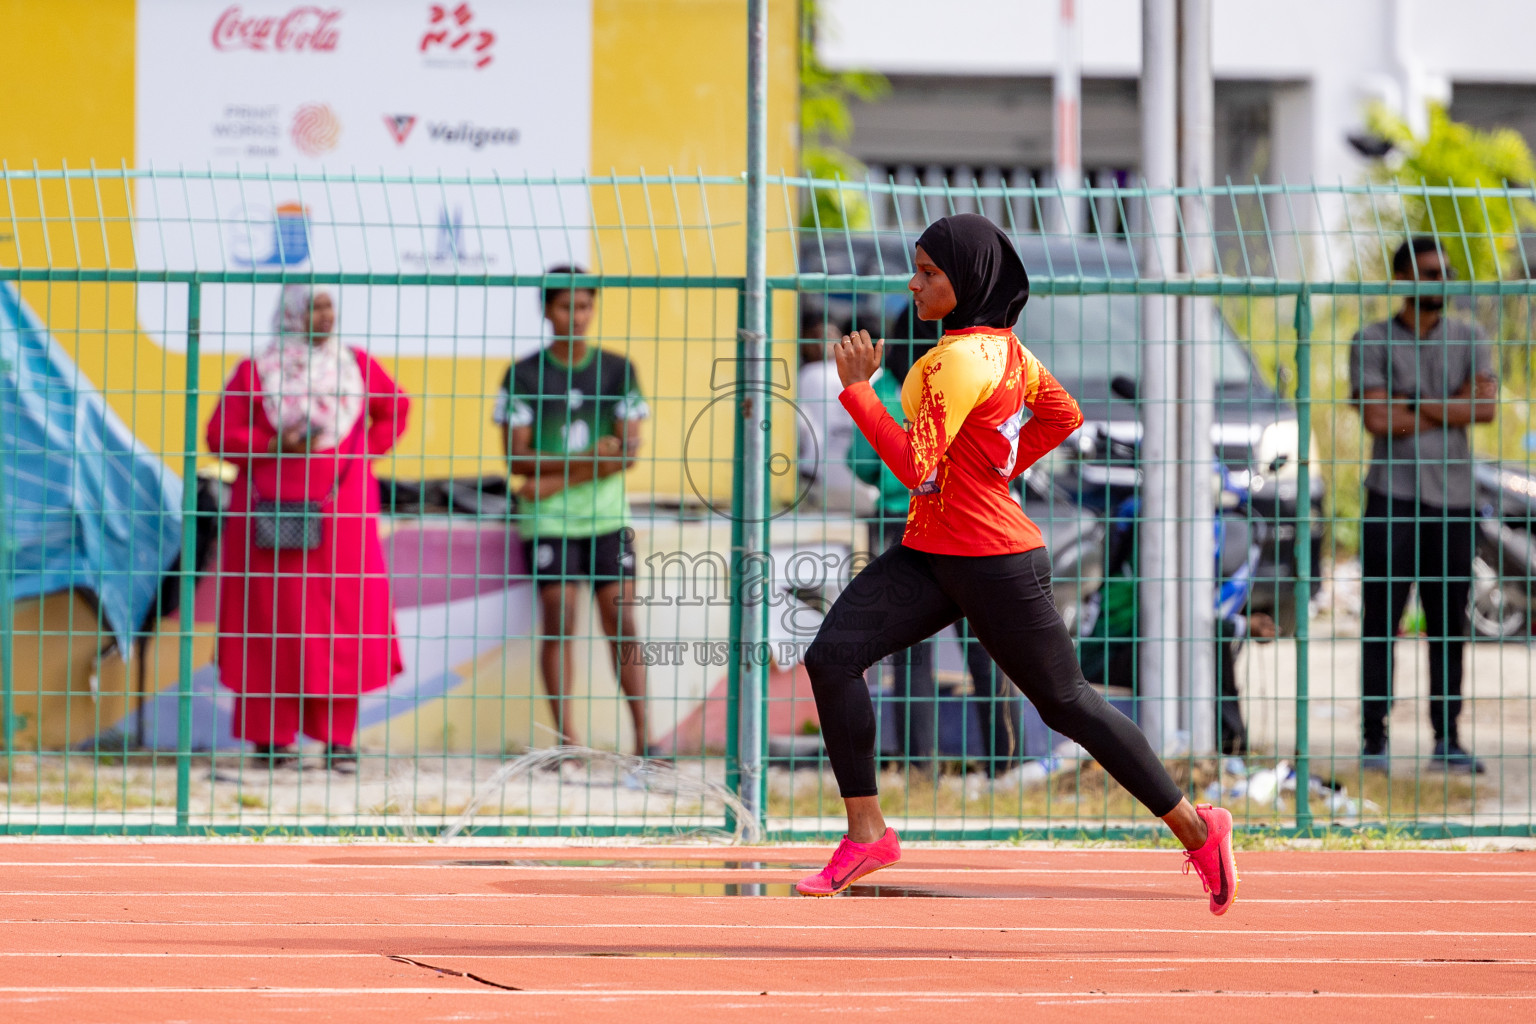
x=1303, y=553
x=188, y=559
x=733, y=668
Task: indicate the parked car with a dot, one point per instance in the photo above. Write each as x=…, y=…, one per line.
x=1087, y=342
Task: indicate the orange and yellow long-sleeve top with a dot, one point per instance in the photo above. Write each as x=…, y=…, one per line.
x=980, y=409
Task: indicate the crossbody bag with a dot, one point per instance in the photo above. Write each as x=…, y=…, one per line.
x=291, y=525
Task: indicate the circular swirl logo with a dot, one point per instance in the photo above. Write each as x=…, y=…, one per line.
x=316, y=129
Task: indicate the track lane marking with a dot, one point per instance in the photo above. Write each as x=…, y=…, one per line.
x=1065, y=958
x=718, y=926
x=69, y=866
x=237, y=866
x=860, y=994
x=1066, y=896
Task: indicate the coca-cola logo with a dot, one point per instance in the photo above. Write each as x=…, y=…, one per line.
x=304, y=28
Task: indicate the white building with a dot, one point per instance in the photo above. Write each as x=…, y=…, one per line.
x=971, y=81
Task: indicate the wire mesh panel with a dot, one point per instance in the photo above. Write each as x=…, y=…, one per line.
x=453, y=448
x=417, y=505
x=1273, y=706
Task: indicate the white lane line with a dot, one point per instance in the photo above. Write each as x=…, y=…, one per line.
x=816, y=958
x=861, y=994
x=419, y=897
x=736, y=926
x=69, y=866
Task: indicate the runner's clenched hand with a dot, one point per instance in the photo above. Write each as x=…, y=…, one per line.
x=858, y=357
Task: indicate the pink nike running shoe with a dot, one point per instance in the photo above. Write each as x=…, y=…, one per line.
x=851, y=862
x=1214, y=862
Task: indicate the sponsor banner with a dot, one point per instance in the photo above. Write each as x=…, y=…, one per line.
x=492, y=89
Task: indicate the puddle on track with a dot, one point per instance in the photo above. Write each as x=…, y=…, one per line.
x=788, y=889
x=581, y=862
x=677, y=865
x=578, y=886
x=656, y=953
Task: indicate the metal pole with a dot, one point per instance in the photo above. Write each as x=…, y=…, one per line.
x=1198, y=354
x=188, y=560
x=1303, y=555
x=1067, y=95
x=738, y=590
x=753, y=382
x=1158, y=660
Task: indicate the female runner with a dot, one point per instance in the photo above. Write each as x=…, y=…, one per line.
x=980, y=410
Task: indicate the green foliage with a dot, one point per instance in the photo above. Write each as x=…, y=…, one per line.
x=825, y=121
x=1480, y=235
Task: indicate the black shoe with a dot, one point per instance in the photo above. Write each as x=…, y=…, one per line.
x=1448, y=756
x=1376, y=757
x=280, y=755
x=342, y=760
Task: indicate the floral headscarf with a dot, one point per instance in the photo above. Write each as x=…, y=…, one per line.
x=315, y=385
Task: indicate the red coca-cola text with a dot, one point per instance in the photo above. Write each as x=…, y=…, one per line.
x=303, y=28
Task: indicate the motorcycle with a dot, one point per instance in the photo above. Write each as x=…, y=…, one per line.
x=1255, y=518
x=1503, y=598
x=1502, y=604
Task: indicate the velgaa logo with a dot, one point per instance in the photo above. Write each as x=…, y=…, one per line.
x=316, y=129
x=399, y=126
x=472, y=135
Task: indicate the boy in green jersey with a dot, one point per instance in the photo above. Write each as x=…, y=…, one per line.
x=570, y=416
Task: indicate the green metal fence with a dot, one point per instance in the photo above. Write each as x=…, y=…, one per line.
x=130, y=300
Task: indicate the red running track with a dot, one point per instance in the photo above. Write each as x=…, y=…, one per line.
x=122, y=933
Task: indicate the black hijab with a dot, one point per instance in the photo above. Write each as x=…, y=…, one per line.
x=990, y=284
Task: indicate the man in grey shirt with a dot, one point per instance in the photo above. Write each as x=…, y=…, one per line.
x=1420, y=378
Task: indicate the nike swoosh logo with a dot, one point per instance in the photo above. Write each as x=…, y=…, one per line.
x=1221, y=873
x=838, y=883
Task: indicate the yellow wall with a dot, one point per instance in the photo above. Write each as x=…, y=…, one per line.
x=68, y=81
x=669, y=83
x=669, y=95
x=669, y=86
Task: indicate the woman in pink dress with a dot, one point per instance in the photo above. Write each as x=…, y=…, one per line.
x=304, y=629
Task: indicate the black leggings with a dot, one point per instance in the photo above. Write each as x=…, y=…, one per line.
x=906, y=596
x=916, y=693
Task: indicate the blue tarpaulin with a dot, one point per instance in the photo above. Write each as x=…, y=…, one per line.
x=86, y=506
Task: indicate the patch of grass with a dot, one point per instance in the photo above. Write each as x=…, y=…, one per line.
x=1087, y=795
x=435, y=805
x=87, y=796
x=1391, y=837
